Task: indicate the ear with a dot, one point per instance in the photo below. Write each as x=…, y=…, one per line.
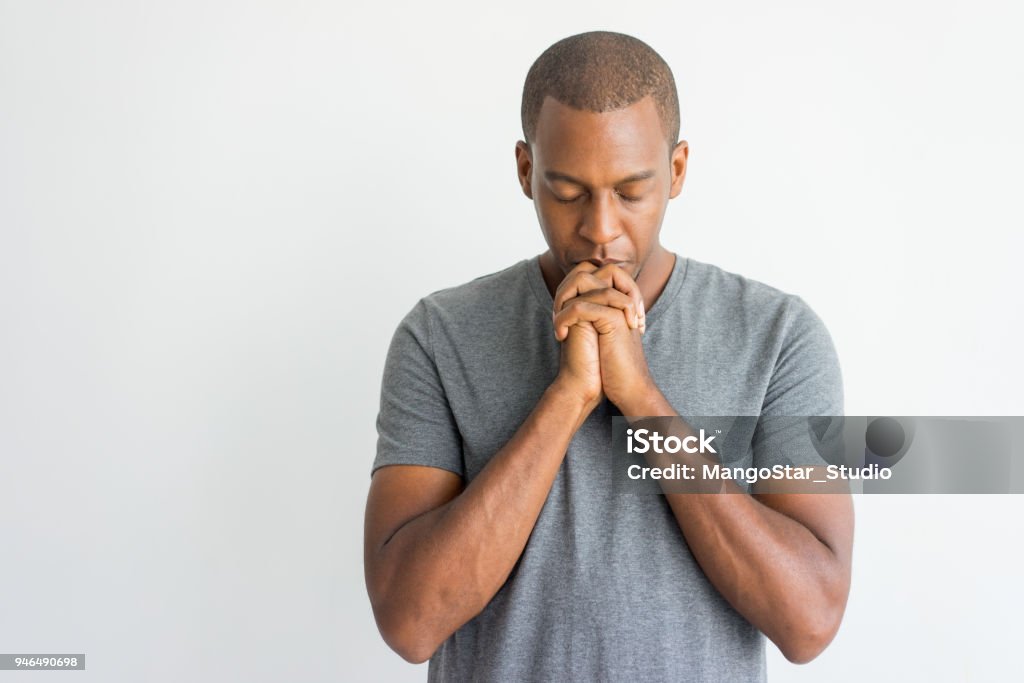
x=524, y=167
x=680, y=153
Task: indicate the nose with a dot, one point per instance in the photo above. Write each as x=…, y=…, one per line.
x=601, y=223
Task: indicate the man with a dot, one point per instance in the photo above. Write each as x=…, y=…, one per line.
x=494, y=544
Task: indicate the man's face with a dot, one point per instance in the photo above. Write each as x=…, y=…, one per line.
x=600, y=182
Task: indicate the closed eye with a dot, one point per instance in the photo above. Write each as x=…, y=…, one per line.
x=628, y=198
x=567, y=201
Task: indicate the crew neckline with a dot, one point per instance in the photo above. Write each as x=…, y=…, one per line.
x=672, y=286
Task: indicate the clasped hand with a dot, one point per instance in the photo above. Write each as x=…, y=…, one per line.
x=599, y=317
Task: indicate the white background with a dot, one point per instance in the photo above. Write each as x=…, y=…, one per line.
x=214, y=214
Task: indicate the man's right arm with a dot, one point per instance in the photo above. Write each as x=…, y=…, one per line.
x=435, y=553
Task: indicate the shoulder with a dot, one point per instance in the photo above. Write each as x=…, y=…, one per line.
x=766, y=324
x=746, y=301
x=483, y=290
x=472, y=302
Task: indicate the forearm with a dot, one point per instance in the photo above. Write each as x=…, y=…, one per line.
x=773, y=569
x=769, y=567
x=441, y=569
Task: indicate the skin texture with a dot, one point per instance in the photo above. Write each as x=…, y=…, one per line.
x=437, y=550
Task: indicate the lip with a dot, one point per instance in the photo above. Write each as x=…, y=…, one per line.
x=600, y=263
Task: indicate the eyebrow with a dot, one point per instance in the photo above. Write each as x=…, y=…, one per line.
x=642, y=175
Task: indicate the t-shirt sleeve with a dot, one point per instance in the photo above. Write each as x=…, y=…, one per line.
x=415, y=425
x=806, y=379
x=806, y=382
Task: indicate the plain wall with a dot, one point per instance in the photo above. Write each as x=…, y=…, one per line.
x=214, y=214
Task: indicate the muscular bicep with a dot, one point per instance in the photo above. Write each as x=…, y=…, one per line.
x=398, y=495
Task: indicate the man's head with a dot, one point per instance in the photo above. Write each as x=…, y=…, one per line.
x=600, y=159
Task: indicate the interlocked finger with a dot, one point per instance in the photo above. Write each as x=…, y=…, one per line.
x=586, y=277
x=607, y=297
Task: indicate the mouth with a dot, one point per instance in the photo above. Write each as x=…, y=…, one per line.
x=601, y=262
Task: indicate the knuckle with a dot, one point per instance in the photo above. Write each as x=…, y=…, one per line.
x=572, y=307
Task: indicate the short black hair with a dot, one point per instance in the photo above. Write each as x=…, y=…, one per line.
x=601, y=71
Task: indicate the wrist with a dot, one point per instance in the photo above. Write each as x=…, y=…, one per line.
x=646, y=400
x=577, y=395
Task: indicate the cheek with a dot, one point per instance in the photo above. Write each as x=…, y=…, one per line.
x=644, y=225
x=557, y=219
x=555, y=235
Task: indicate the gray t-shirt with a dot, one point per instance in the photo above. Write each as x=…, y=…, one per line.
x=606, y=588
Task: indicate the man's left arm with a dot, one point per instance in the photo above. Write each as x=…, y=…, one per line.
x=782, y=560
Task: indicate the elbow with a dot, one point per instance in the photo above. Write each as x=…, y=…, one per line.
x=804, y=650
x=403, y=634
x=811, y=617
x=411, y=650
x=811, y=634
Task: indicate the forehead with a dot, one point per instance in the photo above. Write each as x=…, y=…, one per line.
x=609, y=144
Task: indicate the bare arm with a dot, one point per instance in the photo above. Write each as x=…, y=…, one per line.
x=435, y=553
x=782, y=560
